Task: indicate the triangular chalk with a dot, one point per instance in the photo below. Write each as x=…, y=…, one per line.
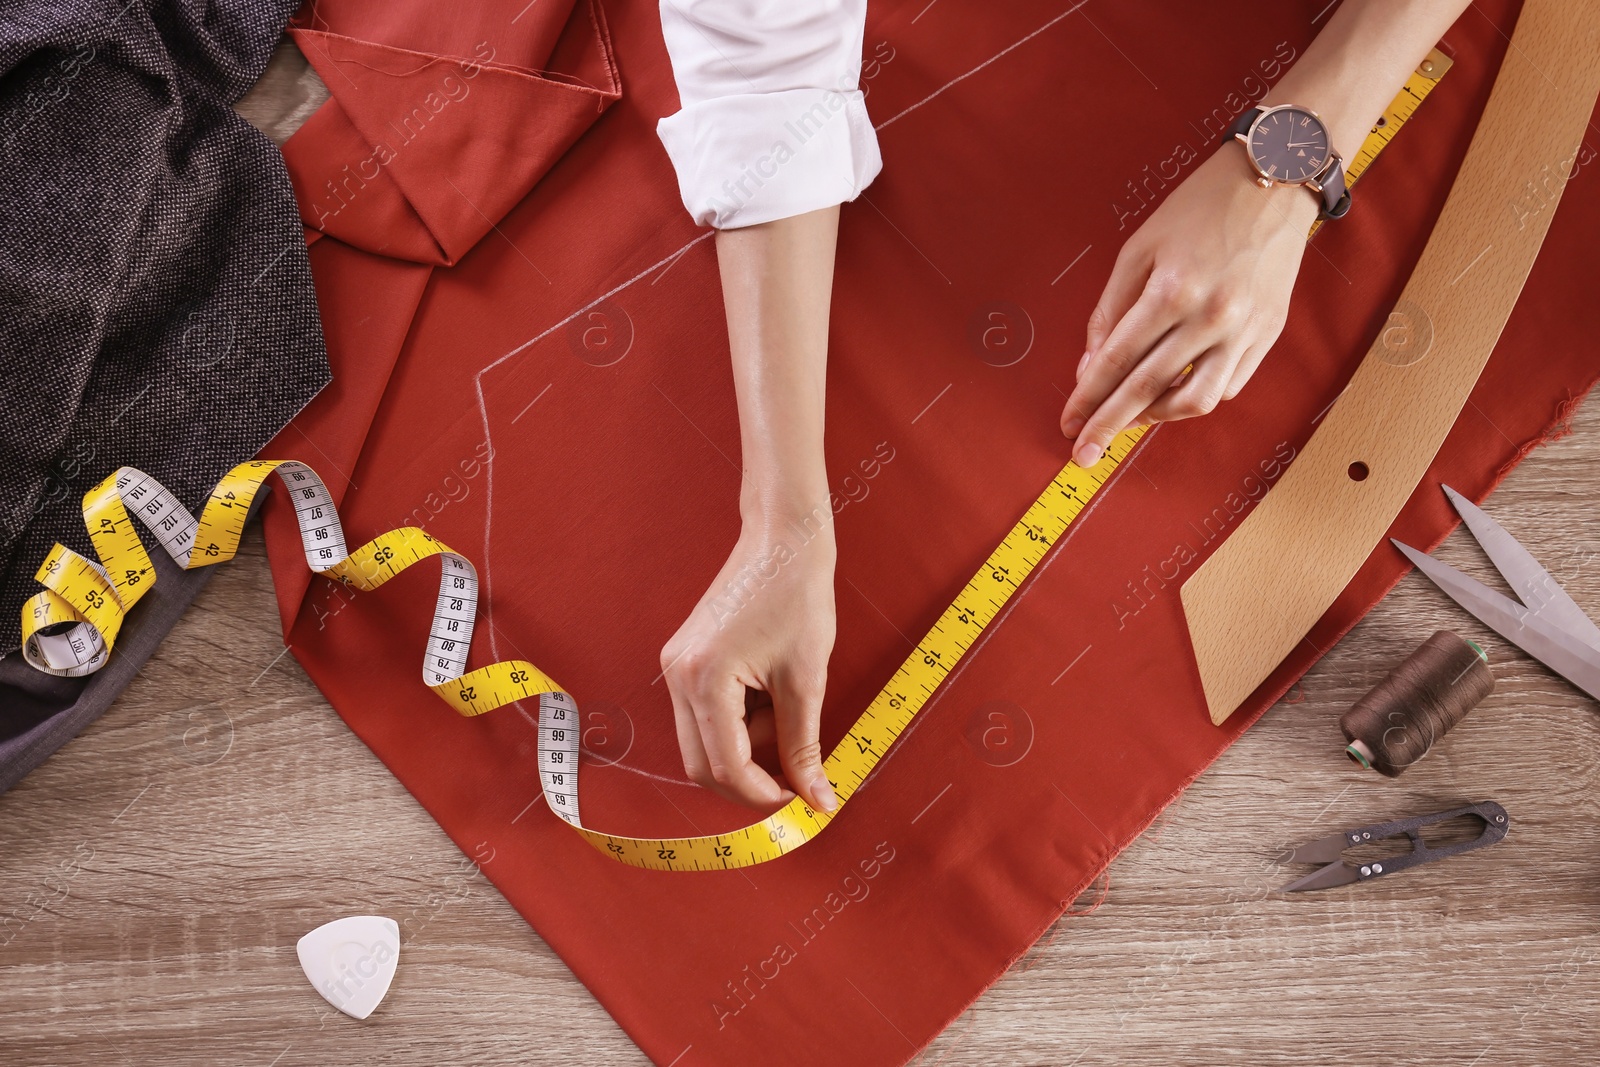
x=351, y=961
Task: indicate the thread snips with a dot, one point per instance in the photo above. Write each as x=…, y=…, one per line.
x=1330, y=850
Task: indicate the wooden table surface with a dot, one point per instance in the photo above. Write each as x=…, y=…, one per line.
x=156, y=873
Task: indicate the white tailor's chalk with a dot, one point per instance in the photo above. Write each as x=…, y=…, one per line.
x=351, y=961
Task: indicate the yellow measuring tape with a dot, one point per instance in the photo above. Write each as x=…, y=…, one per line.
x=70, y=627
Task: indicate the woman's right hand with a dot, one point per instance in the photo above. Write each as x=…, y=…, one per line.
x=766, y=624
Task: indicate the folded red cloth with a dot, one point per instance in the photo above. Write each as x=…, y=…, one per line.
x=558, y=406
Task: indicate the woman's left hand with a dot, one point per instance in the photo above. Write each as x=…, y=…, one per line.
x=1204, y=281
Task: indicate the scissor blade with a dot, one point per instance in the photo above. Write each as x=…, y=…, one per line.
x=1557, y=649
x=1539, y=591
x=1322, y=850
x=1335, y=873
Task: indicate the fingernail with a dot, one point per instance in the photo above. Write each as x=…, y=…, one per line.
x=1072, y=426
x=1088, y=455
x=824, y=791
x=1082, y=363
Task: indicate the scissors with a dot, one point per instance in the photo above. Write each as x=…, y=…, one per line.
x=1547, y=624
x=1327, y=850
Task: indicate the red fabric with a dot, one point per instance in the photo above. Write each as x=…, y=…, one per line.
x=610, y=500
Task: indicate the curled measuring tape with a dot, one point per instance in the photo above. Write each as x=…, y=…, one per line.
x=70, y=627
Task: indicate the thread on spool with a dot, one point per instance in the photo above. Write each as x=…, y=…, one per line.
x=1417, y=703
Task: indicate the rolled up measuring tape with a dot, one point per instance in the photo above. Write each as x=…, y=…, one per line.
x=70, y=627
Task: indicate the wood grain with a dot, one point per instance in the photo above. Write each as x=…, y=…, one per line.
x=1259, y=594
x=157, y=871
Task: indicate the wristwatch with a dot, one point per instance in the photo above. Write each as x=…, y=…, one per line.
x=1289, y=145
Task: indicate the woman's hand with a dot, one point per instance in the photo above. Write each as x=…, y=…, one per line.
x=759, y=639
x=766, y=624
x=1204, y=281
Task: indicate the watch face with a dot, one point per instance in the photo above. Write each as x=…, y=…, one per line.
x=1289, y=144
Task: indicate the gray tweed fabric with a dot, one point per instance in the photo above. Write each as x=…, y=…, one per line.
x=156, y=305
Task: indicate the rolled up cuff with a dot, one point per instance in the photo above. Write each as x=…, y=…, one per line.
x=756, y=157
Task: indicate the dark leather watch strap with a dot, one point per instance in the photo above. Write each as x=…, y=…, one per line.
x=1335, y=194
x=1241, y=124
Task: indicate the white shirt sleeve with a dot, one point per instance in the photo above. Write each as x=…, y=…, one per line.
x=773, y=122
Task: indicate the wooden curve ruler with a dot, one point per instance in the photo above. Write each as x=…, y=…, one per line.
x=70, y=627
x=1258, y=595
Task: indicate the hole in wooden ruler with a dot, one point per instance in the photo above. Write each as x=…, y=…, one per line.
x=1358, y=471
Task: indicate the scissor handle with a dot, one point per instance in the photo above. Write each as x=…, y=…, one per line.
x=1495, y=824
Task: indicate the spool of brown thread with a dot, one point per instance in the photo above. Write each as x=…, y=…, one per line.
x=1404, y=715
